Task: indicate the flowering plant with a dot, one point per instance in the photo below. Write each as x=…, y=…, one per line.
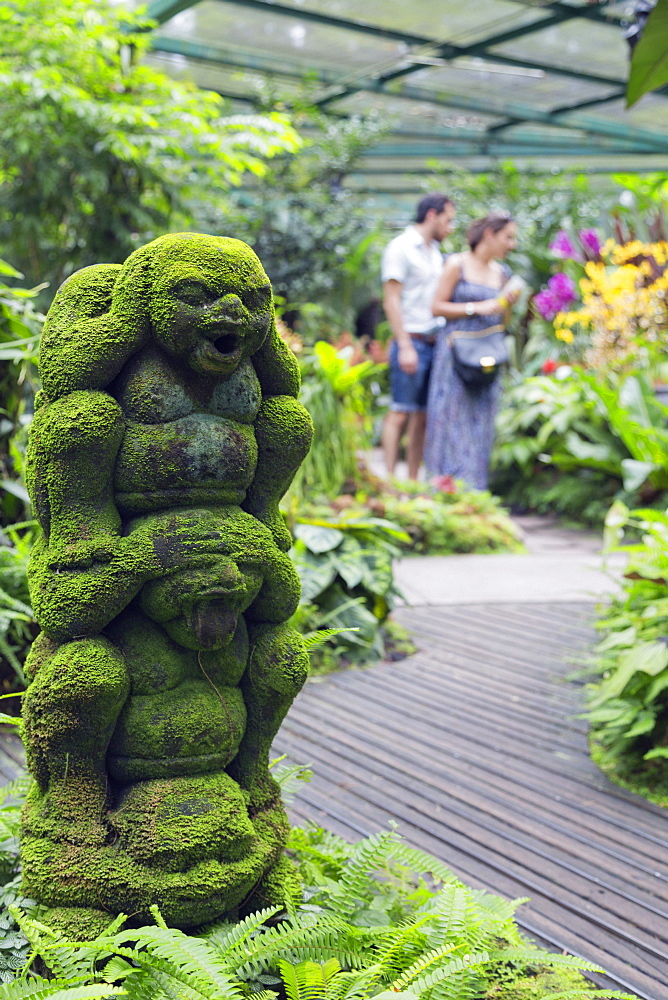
x=613, y=304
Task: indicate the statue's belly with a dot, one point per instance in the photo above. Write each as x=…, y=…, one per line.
x=190, y=729
x=201, y=458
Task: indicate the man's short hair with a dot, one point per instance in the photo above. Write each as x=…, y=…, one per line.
x=435, y=201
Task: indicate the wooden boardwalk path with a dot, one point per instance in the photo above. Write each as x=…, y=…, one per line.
x=472, y=746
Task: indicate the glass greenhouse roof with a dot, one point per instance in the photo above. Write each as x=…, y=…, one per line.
x=464, y=84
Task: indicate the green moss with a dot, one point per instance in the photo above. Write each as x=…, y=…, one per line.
x=276, y=672
x=62, y=874
x=537, y=984
x=284, y=431
x=145, y=683
x=191, y=818
x=72, y=448
x=188, y=729
x=82, y=924
x=278, y=887
x=200, y=458
x=70, y=710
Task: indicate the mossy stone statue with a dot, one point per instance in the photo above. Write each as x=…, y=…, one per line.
x=166, y=432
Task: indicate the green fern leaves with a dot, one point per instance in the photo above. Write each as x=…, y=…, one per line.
x=379, y=921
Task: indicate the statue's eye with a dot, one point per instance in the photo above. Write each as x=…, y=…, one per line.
x=257, y=298
x=193, y=293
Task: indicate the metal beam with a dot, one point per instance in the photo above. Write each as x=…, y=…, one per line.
x=563, y=117
x=162, y=10
x=446, y=49
x=524, y=113
x=512, y=113
x=497, y=149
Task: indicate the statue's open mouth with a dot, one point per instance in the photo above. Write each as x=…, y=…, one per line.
x=227, y=343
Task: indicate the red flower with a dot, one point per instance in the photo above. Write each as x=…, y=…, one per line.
x=549, y=366
x=445, y=484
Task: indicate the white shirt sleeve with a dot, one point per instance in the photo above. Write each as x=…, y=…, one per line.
x=394, y=265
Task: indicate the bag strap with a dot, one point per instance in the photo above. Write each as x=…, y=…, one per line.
x=474, y=334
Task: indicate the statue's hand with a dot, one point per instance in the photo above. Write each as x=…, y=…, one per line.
x=82, y=555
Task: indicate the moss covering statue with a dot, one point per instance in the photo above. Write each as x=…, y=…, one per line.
x=166, y=432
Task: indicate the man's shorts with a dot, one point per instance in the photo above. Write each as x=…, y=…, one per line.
x=409, y=392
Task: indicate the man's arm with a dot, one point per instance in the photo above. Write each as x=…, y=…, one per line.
x=408, y=359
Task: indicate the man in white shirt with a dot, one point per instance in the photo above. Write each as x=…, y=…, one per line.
x=411, y=267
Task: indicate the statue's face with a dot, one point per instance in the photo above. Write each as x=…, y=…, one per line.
x=211, y=307
x=199, y=606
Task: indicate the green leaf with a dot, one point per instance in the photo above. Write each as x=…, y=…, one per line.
x=647, y=657
x=649, y=64
x=636, y=473
x=8, y=270
x=655, y=753
x=318, y=538
x=316, y=573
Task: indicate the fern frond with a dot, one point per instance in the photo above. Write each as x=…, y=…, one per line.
x=189, y=961
x=399, y=951
x=295, y=942
x=226, y=937
x=537, y=956
x=55, y=951
x=417, y=970
x=421, y=863
x=465, y=963
x=15, y=791
x=354, y=985
x=55, y=989
x=313, y=639
x=303, y=981
x=366, y=857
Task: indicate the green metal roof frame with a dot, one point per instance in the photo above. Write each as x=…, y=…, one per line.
x=519, y=129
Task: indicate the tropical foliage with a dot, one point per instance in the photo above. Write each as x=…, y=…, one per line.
x=20, y=325
x=99, y=152
x=649, y=64
x=344, y=563
x=315, y=239
x=336, y=392
x=574, y=441
x=628, y=706
x=17, y=626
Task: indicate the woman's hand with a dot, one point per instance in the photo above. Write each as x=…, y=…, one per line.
x=488, y=306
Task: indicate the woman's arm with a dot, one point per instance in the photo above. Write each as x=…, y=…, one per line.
x=443, y=304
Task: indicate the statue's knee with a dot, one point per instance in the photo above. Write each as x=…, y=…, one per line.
x=278, y=660
x=85, y=681
x=284, y=428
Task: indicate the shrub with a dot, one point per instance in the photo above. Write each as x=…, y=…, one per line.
x=628, y=707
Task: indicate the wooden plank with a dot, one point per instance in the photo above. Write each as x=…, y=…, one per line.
x=472, y=747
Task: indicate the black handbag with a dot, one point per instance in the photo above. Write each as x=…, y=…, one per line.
x=477, y=355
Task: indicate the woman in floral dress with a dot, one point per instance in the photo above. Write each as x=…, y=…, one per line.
x=460, y=417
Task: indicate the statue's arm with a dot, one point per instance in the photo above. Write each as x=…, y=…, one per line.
x=283, y=431
x=85, y=341
x=276, y=367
